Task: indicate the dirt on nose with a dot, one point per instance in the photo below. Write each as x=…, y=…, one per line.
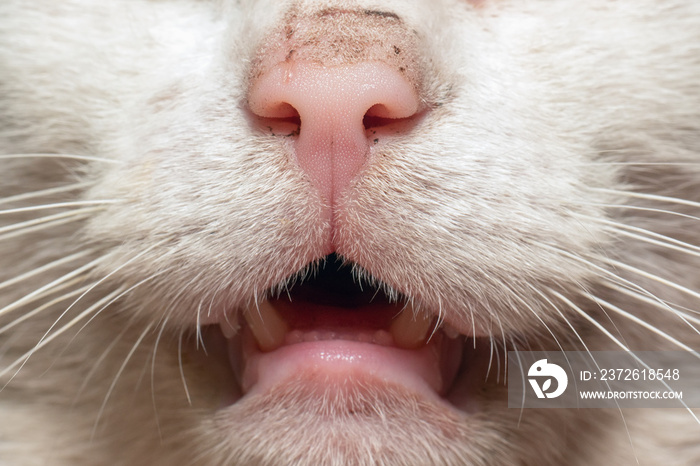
x=335, y=36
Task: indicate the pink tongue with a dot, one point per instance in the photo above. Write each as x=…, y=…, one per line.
x=341, y=362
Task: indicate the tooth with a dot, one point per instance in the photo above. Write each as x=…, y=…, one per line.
x=410, y=329
x=267, y=325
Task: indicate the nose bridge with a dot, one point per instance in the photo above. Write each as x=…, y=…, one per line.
x=332, y=37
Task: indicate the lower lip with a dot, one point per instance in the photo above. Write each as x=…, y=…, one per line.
x=428, y=371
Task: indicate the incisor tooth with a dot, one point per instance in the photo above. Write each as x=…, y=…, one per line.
x=410, y=329
x=267, y=325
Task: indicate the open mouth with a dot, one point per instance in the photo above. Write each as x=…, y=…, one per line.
x=335, y=326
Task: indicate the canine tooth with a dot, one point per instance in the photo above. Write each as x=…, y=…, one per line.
x=267, y=325
x=410, y=329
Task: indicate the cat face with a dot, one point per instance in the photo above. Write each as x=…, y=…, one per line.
x=319, y=226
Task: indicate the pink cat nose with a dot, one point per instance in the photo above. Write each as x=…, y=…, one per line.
x=341, y=111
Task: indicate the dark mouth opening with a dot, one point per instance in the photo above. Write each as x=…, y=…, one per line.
x=337, y=283
x=335, y=293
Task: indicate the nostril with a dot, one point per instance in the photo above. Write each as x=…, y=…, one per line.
x=379, y=120
x=281, y=119
x=374, y=122
x=278, y=110
x=379, y=116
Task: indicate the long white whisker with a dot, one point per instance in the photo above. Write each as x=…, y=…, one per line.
x=661, y=240
x=640, y=164
x=21, y=228
x=45, y=267
x=643, y=209
x=568, y=322
x=660, y=304
x=59, y=205
x=590, y=319
x=647, y=196
x=86, y=158
x=185, y=288
x=118, y=374
x=34, y=312
x=119, y=293
x=651, y=276
x=616, y=341
x=564, y=318
x=590, y=355
x=438, y=321
x=199, y=327
x=529, y=307
x=522, y=375
x=497, y=343
x=614, y=278
x=46, y=192
x=440, y=317
x=123, y=293
x=48, y=287
x=98, y=362
x=621, y=284
x=641, y=322
x=584, y=288
x=97, y=283
x=537, y=316
x=491, y=354
x=45, y=340
x=182, y=369
x=505, y=350
x=153, y=374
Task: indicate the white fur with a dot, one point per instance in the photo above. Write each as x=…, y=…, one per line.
x=544, y=114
